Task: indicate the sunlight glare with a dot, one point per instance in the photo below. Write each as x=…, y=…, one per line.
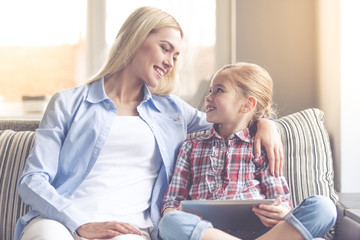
x=41, y=22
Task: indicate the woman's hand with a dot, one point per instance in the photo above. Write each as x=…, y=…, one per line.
x=105, y=230
x=271, y=214
x=268, y=136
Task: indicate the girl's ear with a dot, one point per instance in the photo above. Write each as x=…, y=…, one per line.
x=249, y=104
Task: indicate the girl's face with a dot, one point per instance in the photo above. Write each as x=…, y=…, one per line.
x=156, y=56
x=223, y=103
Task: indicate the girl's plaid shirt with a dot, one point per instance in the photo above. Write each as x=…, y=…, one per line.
x=210, y=168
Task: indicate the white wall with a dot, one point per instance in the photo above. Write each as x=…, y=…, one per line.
x=350, y=95
x=339, y=81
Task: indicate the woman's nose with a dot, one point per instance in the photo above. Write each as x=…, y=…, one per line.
x=169, y=62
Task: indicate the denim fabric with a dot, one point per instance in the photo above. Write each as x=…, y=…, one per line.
x=178, y=225
x=313, y=218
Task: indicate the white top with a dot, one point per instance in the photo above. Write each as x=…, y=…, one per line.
x=120, y=184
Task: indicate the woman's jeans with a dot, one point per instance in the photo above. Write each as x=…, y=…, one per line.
x=313, y=218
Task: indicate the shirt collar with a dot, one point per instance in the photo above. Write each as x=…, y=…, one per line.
x=97, y=93
x=148, y=97
x=244, y=135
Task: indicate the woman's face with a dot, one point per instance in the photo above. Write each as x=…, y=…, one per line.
x=156, y=56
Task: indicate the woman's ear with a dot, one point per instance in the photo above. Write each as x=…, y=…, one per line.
x=249, y=104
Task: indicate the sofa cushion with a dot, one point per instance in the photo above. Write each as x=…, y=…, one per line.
x=308, y=164
x=14, y=149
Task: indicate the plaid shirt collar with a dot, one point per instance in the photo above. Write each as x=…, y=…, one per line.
x=244, y=135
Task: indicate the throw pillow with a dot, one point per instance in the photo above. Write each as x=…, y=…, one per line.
x=308, y=164
x=14, y=149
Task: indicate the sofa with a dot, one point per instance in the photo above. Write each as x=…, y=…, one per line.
x=308, y=168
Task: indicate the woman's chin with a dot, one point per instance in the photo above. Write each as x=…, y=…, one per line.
x=153, y=84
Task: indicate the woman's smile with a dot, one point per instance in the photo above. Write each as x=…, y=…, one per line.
x=160, y=71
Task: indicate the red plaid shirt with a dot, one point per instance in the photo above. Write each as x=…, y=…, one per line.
x=209, y=168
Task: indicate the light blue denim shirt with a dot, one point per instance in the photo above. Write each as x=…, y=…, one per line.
x=69, y=140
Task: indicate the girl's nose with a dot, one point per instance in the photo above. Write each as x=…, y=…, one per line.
x=208, y=98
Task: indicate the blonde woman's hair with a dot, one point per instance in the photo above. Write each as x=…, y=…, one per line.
x=136, y=28
x=252, y=80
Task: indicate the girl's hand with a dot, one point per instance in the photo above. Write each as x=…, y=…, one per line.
x=105, y=230
x=268, y=136
x=271, y=214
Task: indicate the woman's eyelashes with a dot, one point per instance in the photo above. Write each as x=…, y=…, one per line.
x=167, y=49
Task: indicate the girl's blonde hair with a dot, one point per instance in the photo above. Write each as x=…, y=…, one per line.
x=136, y=28
x=252, y=80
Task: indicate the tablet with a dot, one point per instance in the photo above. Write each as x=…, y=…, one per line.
x=227, y=214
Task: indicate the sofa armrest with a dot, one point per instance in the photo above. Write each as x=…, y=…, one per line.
x=19, y=125
x=349, y=200
x=353, y=214
x=348, y=222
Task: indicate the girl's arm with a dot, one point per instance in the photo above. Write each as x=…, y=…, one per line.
x=268, y=136
x=272, y=188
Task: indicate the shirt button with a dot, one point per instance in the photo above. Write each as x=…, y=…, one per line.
x=96, y=151
x=218, y=184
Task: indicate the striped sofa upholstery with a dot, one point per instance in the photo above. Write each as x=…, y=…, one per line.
x=14, y=148
x=308, y=162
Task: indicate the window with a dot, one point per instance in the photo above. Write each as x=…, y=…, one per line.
x=41, y=48
x=45, y=47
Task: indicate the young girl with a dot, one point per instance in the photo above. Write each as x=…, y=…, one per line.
x=221, y=164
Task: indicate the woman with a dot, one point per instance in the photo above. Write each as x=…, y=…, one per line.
x=104, y=152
